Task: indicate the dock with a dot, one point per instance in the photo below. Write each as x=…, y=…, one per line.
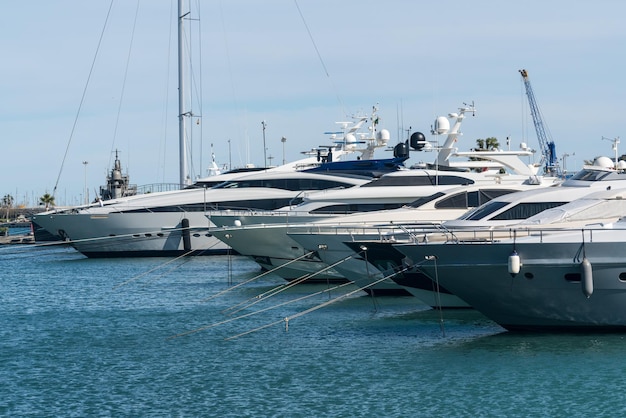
x=17, y=239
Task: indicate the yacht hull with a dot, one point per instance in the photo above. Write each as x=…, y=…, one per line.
x=162, y=234
x=273, y=249
x=547, y=293
x=385, y=258
x=350, y=263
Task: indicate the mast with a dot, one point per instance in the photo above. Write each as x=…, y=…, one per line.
x=184, y=178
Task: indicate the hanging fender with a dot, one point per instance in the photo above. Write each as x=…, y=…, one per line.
x=514, y=264
x=186, y=236
x=587, y=277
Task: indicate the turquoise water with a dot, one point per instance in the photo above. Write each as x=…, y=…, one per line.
x=82, y=337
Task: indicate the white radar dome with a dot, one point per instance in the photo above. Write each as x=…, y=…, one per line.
x=383, y=136
x=605, y=162
x=442, y=125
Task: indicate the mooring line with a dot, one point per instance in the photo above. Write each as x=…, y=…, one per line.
x=294, y=283
x=314, y=308
x=22, y=250
x=272, y=291
x=437, y=295
x=253, y=279
x=344, y=296
x=124, y=236
x=137, y=277
x=203, y=328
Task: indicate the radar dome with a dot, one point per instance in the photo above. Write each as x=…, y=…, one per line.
x=418, y=141
x=442, y=125
x=382, y=136
x=401, y=150
x=350, y=141
x=621, y=165
x=605, y=162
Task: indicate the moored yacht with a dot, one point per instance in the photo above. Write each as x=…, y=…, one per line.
x=328, y=238
x=262, y=235
x=483, y=222
x=175, y=223
x=560, y=270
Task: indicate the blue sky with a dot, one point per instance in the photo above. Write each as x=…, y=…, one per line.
x=415, y=60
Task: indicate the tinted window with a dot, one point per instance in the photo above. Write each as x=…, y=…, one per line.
x=425, y=199
x=285, y=184
x=472, y=199
x=394, y=181
x=356, y=207
x=484, y=210
x=525, y=210
x=260, y=204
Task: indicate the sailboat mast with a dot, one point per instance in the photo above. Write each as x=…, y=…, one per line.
x=182, y=114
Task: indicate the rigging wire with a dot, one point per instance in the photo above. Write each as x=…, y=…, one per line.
x=82, y=99
x=320, y=57
x=236, y=103
x=188, y=140
x=199, y=89
x=163, y=143
x=119, y=106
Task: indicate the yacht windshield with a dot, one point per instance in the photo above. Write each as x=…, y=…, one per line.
x=590, y=175
x=423, y=200
x=483, y=211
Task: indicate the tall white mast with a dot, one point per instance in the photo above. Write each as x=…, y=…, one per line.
x=185, y=178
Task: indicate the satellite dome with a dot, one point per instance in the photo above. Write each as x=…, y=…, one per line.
x=442, y=125
x=383, y=136
x=605, y=162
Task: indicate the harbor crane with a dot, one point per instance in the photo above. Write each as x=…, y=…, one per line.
x=548, y=149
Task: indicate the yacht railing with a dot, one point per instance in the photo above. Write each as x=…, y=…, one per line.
x=425, y=233
x=157, y=187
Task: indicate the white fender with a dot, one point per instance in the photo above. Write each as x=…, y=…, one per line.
x=587, y=277
x=514, y=264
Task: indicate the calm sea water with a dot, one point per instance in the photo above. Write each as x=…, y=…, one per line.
x=82, y=337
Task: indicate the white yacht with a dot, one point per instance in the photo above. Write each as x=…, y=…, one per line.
x=327, y=238
x=262, y=235
x=500, y=213
x=175, y=222
x=560, y=270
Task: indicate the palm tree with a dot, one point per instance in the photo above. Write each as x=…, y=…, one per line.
x=488, y=144
x=7, y=201
x=47, y=200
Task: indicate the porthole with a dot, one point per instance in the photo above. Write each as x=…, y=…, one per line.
x=136, y=235
x=529, y=276
x=622, y=276
x=148, y=235
x=160, y=234
x=572, y=277
x=196, y=235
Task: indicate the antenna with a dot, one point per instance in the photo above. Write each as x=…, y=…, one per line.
x=615, y=142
